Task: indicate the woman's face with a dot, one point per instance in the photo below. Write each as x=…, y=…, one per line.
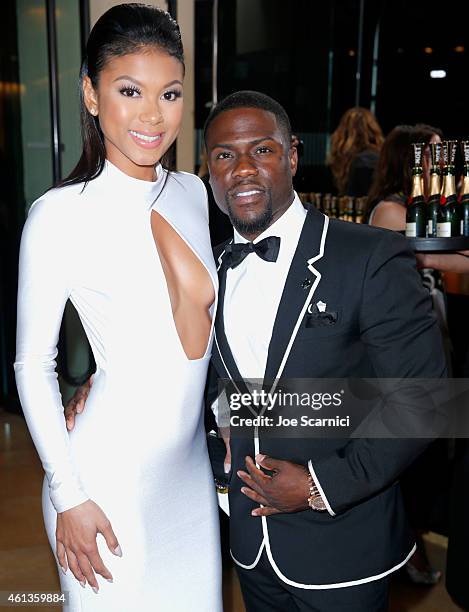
x=138, y=102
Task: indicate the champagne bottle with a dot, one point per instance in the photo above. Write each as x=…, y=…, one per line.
x=448, y=223
x=326, y=204
x=433, y=203
x=464, y=195
x=349, y=209
x=342, y=201
x=360, y=207
x=315, y=198
x=416, y=218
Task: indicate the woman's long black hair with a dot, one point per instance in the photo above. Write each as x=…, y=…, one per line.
x=123, y=29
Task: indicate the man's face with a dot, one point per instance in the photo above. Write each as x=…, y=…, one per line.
x=251, y=163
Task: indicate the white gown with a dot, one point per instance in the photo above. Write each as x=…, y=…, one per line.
x=139, y=448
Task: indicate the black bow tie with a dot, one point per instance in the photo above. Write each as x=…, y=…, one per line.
x=267, y=249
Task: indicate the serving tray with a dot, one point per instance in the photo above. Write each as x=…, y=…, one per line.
x=439, y=245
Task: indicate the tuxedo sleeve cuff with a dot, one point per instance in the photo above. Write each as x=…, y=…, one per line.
x=320, y=489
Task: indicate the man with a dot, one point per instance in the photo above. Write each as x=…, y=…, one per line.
x=322, y=526
x=382, y=327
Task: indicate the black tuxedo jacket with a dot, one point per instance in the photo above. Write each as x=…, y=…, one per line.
x=383, y=327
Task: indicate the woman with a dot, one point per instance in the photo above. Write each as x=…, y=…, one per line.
x=135, y=467
x=354, y=152
x=393, y=179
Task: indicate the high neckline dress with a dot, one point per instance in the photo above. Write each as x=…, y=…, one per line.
x=139, y=448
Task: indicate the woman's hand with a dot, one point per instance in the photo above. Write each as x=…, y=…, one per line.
x=76, y=533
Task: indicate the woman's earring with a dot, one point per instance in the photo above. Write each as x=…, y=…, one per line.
x=94, y=111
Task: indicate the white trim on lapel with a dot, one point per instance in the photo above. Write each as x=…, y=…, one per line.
x=220, y=257
x=265, y=541
x=314, y=286
x=220, y=261
x=317, y=274
x=224, y=364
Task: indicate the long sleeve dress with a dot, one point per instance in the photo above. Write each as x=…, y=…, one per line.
x=139, y=448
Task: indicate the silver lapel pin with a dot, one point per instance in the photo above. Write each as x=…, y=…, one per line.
x=321, y=306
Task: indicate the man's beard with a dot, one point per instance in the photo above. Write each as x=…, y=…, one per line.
x=254, y=226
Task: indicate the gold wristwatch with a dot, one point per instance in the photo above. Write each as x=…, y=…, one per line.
x=315, y=501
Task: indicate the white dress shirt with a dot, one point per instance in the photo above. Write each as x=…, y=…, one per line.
x=253, y=292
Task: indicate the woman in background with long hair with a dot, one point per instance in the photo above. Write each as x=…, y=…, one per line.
x=354, y=151
x=392, y=183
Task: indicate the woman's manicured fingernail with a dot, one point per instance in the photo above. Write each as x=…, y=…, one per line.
x=109, y=579
x=83, y=583
x=64, y=571
x=95, y=589
x=118, y=551
x=227, y=467
x=260, y=458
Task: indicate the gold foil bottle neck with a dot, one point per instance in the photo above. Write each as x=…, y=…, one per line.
x=434, y=183
x=448, y=187
x=417, y=185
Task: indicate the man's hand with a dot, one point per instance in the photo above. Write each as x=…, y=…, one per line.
x=287, y=490
x=76, y=404
x=76, y=533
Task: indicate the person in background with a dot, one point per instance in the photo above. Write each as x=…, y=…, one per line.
x=393, y=178
x=387, y=208
x=354, y=152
